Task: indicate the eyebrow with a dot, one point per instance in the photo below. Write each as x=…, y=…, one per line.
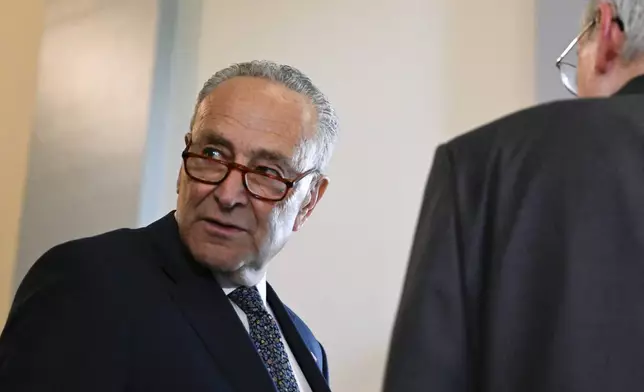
x=275, y=157
x=212, y=136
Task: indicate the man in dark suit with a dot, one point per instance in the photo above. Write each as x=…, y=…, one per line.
x=527, y=268
x=183, y=304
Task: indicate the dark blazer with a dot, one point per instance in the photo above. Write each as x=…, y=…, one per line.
x=527, y=269
x=130, y=310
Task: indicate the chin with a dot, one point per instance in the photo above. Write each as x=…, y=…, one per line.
x=240, y=270
x=239, y=274
x=245, y=276
x=219, y=259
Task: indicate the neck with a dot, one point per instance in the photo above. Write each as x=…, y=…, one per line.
x=244, y=276
x=623, y=75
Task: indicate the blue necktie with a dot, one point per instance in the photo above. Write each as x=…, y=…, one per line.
x=265, y=334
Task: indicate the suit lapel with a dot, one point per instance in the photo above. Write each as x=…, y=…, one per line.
x=207, y=309
x=303, y=353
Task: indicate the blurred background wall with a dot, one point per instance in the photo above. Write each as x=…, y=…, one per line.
x=21, y=24
x=93, y=97
x=117, y=80
x=557, y=23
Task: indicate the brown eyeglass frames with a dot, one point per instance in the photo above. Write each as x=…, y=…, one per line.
x=260, y=185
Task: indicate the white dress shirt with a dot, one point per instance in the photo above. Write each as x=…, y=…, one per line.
x=261, y=287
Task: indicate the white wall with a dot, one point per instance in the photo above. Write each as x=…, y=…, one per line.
x=94, y=82
x=21, y=26
x=404, y=75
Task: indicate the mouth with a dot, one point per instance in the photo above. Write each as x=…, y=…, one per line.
x=219, y=228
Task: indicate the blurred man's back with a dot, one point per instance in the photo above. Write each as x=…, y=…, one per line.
x=527, y=270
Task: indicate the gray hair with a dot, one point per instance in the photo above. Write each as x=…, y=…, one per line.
x=631, y=12
x=321, y=149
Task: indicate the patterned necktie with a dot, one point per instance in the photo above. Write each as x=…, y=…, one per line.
x=265, y=334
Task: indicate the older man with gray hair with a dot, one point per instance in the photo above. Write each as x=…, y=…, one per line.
x=183, y=304
x=527, y=269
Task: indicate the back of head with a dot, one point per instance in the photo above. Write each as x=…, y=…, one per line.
x=631, y=12
x=610, y=47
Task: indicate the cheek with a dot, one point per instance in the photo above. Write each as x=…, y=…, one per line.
x=192, y=194
x=275, y=220
x=265, y=214
x=582, y=65
x=585, y=62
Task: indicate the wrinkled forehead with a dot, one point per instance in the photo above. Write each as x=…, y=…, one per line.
x=256, y=113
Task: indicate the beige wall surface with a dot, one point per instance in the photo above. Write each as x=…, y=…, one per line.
x=94, y=85
x=489, y=59
x=20, y=30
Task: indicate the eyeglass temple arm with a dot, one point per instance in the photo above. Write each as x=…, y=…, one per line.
x=617, y=19
x=568, y=48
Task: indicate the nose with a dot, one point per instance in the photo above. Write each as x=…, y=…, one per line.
x=231, y=192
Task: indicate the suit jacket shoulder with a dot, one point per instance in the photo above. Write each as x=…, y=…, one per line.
x=69, y=296
x=560, y=121
x=544, y=147
x=77, y=260
x=118, y=257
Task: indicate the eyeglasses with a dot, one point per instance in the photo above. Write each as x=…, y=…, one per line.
x=261, y=185
x=567, y=70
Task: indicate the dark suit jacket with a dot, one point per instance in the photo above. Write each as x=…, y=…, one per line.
x=130, y=310
x=527, y=269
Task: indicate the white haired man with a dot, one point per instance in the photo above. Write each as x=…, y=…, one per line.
x=527, y=268
x=183, y=304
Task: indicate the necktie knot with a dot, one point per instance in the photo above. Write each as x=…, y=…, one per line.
x=248, y=299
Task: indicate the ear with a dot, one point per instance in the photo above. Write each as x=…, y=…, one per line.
x=187, y=138
x=312, y=198
x=610, y=39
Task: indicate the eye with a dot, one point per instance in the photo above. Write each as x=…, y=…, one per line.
x=268, y=170
x=212, y=152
